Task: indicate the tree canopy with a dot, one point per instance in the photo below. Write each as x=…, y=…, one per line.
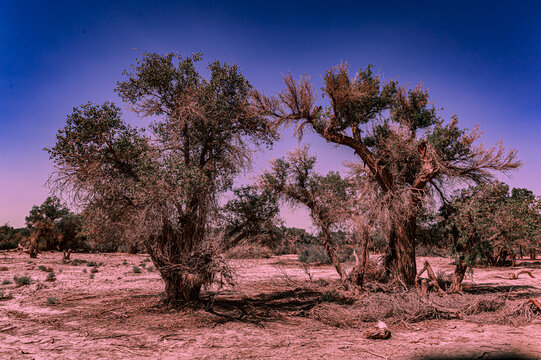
x=160, y=185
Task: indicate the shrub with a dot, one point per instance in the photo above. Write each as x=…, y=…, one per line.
x=42, y=267
x=313, y=254
x=5, y=296
x=91, y=276
x=124, y=262
x=51, y=276
x=150, y=268
x=6, y=282
x=91, y=264
x=52, y=300
x=77, y=261
x=100, y=263
x=84, y=270
x=94, y=270
x=22, y=280
x=3, y=268
x=136, y=269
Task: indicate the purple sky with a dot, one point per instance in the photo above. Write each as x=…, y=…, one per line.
x=480, y=61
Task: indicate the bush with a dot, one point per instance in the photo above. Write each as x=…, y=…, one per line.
x=51, y=276
x=313, y=254
x=5, y=296
x=52, y=301
x=77, y=261
x=91, y=276
x=94, y=270
x=4, y=268
x=136, y=269
x=91, y=264
x=22, y=280
x=6, y=282
x=150, y=268
x=124, y=262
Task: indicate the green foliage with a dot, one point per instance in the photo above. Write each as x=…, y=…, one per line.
x=314, y=254
x=91, y=276
x=250, y=216
x=5, y=296
x=52, y=300
x=124, y=262
x=159, y=186
x=484, y=221
x=22, y=280
x=51, y=276
x=6, y=282
x=150, y=268
x=136, y=269
x=78, y=261
x=9, y=237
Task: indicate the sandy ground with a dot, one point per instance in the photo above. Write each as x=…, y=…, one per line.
x=116, y=315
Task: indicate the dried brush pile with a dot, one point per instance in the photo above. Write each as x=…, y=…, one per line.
x=411, y=308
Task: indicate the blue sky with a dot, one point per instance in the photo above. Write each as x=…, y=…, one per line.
x=480, y=61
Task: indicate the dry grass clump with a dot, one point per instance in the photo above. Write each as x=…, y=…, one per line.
x=411, y=308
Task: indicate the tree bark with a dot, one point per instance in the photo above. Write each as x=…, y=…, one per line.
x=331, y=252
x=400, y=254
x=357, y=273
x=171, y=252
x=458, y=277
x=181, y=288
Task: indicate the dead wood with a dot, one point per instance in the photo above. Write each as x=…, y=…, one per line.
x=378, y=333
x=422, y=285
x=514, y=276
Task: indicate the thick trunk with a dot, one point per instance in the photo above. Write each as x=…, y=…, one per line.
x=177, y=263
x=458, y=277
x=400, y=255
x=180, y=288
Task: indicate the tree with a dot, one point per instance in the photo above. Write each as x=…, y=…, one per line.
x=44, y=221
x=160, y=186
x=485, y=223
x=406, y=151
x=251, y=215
x=295, y=180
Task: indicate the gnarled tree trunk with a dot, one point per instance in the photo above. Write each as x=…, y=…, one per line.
x=458, y=277
x=400, y=254
x=182, y=269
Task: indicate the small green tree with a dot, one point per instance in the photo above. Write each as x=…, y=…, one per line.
x=160, y=186
x=485, y=223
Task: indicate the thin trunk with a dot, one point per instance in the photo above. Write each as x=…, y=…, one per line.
x=458, y=277
x=358, y=272
x=331, y=252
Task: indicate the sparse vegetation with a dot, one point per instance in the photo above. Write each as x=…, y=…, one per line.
x=7, y=282
x=52, y=300
x=5, y=296
x=51, y=276
x=136, y=269
x=22, y=280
